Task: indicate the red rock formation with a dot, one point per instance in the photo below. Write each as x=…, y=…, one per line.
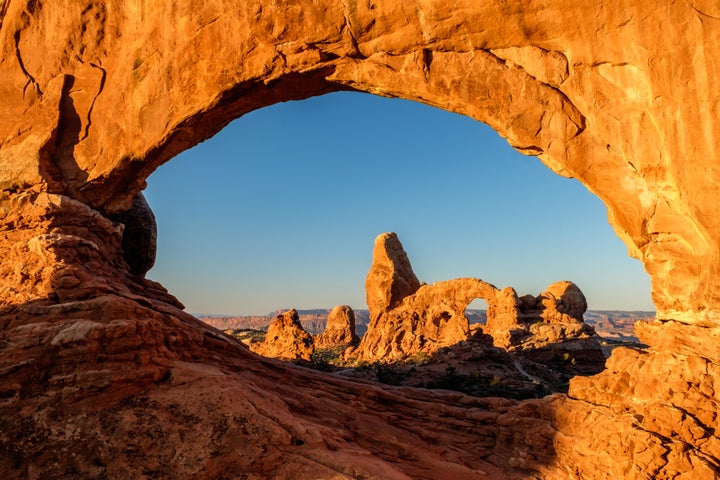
x=70, y=124
x=286, y=339
x=104, y=376
x=391, y=277
x=563, y=302
x=433, y=316
x=139, y=238
x=340, y=329
x=406, y=317
x=553, y=319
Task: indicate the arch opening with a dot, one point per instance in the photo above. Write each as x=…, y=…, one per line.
x=292, y=196
x=476, y=312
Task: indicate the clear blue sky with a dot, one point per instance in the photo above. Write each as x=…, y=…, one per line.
x=280, y=209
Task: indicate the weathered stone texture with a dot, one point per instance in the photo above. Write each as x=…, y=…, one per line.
x=139, y=237
x=286, y=339
x=339, y=330
x=555, y=79
x=433, y=316
x=102, y=374
x=391, y=277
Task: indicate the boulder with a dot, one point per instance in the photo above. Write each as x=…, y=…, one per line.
x=139, y=238
x=286, y=339
x=339, y=330
x=563, y=302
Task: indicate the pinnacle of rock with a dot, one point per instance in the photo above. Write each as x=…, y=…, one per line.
x=391, y=277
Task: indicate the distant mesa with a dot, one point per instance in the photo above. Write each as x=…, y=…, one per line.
x=313, y=321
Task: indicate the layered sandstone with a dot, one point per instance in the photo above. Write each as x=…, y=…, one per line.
x=576, y=96
x=104, y=376
x=391, y=277
x=339, y=330
x=286, y=339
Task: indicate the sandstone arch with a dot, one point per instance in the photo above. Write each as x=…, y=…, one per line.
x=578, y=97
x=96, y=95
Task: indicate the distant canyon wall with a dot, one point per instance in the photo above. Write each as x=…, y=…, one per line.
x=313, y=321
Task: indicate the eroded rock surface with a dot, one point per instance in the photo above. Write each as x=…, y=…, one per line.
x=563, y=302
x=286, y=339
x=102, y=375
x=340, y=329
x=547, y=328
x=552, y=319
x=391, y=277
x=139, y=238
x=76, y=93
x=433, y=316
x=406, y=317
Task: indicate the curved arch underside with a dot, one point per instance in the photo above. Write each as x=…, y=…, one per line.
x=100, y=94
x=620, y=95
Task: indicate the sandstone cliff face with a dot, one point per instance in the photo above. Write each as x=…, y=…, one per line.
x=104, y=376
x=340, y=329
x=286, y=339
x=557, y=80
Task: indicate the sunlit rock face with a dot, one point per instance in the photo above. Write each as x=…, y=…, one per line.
x=104, y=376
x=286, y=339
x=407, y=317
x=406, y=321
x=525, y=323
x=339, y=329
x=391, y=277
x=597, y=94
